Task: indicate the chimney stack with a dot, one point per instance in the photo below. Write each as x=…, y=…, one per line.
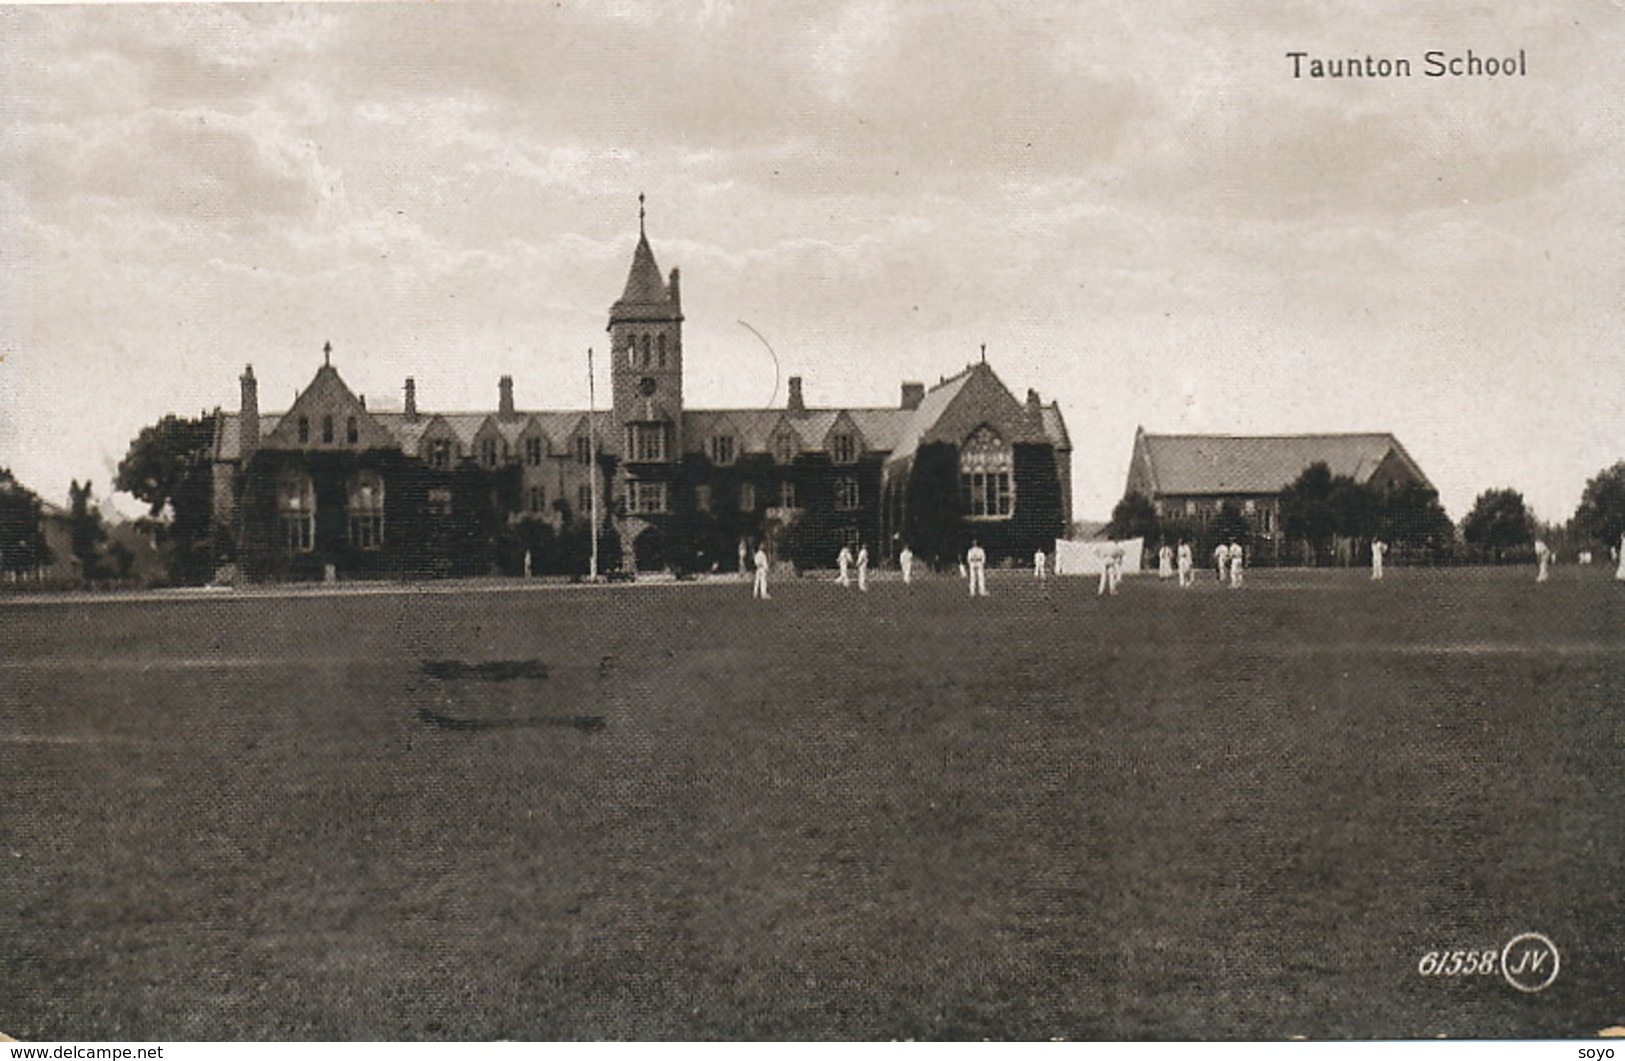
x=796, y=405
x=674, y=290
x=505, y=401
x=248, y=418
x=1033, y=404
x=913, y=395
x=411, y=399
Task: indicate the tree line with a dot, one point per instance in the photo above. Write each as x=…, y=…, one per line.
x=1326, y=518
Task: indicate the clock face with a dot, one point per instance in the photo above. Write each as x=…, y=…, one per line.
x=647, y=386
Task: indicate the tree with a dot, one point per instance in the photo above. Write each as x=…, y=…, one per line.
x=1307, y=513
x=22, y=540
x=86, y=530
x=168, y=466
x=1600, y=518
x=1133, y=517
x=1412, y=521
x=1498, y=522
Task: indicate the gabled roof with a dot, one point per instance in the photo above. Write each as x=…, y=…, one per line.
x=1261, y=464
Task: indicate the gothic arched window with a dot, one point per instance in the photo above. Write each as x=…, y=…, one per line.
x=366, y=510
x=296, y=511
x=660, y=350
x=986, y=475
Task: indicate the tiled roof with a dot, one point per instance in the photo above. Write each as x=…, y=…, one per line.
x=1248, y=464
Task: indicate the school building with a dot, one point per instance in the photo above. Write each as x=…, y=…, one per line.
x=329, y=484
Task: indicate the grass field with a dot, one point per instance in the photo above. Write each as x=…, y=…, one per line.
x=669, y=811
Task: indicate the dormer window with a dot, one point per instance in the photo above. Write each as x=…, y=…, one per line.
x=440, y=453
x=784, y=447
x=304, y=429
x=722, y=449
x=488, y=452
x=327, y=430
x=583, y=449
x=843, y=448
x=533, y=451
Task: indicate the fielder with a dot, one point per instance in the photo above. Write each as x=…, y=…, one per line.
x=905, y=560
x=1236, y=564
x=1543, y=558
x=976, y=560
x=1187, y=572
x=1221, y=558
x=863, y=568
x=844, y=562
x=759, y=591
x=1039, y=570
x=1165, y=562
x=1378, y=548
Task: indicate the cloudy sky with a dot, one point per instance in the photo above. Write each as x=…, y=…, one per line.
x=1135, y=206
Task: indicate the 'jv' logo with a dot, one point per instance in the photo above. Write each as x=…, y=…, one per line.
x=1530, y=962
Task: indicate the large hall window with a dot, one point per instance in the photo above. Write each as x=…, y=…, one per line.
x=986, y=479
x=296, y=512
x=366, y=510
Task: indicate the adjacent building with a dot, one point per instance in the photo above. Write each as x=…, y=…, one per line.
x=331, y=486
x=1197, y=477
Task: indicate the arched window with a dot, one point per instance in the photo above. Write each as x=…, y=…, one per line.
x=327, y=429
x=660, y=350
x=352, y=431
x=986, y=475
x=304, y=429
x=488, y=452
x=645, y=351
x=296, y=512
x=366, y=510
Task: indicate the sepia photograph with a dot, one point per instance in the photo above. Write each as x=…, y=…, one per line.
x=865, y=520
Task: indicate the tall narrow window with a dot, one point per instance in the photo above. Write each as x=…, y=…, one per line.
x=533, y=451
x=747, y=497
x=583, y=450
x=304, y=429
x=986, y=482
x=702, y=498
x=352, y=431
x=787, y=494
x=844, y=449
x=296, y=512
x=660, y=350
x=846, y=493
x=645, y=351
x=366, y=510
x=784, y=447
x=538, y=499
x=722, y=449
x=327, y=429
x=584, y=501
x=488, y=452
x=440, y=453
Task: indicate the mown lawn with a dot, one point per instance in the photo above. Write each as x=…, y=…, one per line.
x=669, y=811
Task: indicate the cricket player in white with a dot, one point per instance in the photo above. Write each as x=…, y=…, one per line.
x=760, y=590
x=1165, y=562
x=844, y=562
x=1378, y=547
x=976, y=560
x=1187, y=572
x=1040, y=561
x=1619, y=575
x=905, y=560
x=1221, y=557
x=863, y=568
x=1543, y=557
x=1236, y=565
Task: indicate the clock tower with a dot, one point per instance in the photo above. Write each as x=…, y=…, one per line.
x=646, y=358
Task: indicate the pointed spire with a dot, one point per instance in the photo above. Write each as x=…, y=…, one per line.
x=640, y=215
x=327, y=354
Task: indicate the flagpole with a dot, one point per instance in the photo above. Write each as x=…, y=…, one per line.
x=592, y=466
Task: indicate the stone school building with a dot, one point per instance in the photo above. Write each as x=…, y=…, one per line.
x=330, y=485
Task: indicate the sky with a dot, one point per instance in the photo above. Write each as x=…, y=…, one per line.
x=1136, y=207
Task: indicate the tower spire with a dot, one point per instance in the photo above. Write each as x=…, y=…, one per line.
x=640, y=213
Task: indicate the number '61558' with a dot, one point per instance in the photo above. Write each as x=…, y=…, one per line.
x=1457, y=963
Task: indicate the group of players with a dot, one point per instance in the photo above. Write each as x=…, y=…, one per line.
x=1228, y=559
